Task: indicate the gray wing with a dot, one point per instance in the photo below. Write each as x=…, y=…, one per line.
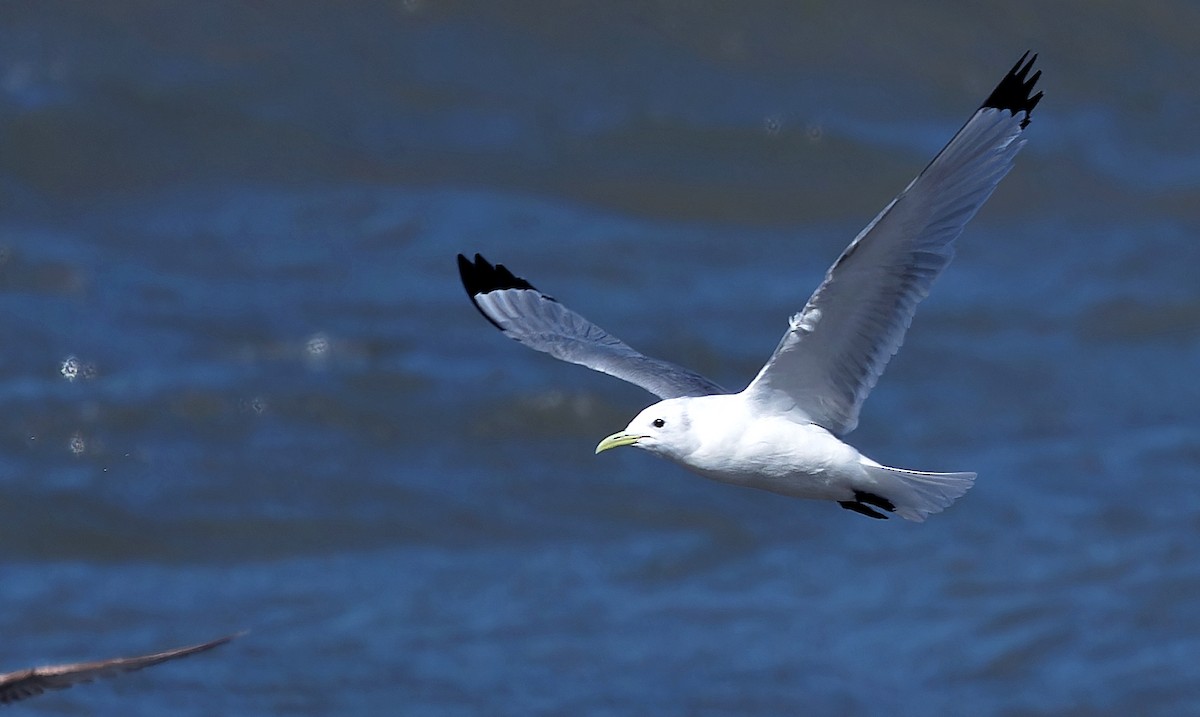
x=527, y=315
x=836, y=348
x=16, y=686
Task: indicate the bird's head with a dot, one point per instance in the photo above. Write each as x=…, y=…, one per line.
x=663, y=429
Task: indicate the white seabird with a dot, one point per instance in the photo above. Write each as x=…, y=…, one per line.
x=781, y=432
x=16, y=686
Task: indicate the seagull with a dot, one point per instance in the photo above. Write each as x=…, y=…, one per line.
x=782, y=433
x=16, y=686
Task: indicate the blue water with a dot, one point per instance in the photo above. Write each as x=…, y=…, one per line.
x=243, y=388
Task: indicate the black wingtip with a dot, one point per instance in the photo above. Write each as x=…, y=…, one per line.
x=1013, y=92
x=864, y=503
x=862, y=509
x=878, y=501
x=481, y=277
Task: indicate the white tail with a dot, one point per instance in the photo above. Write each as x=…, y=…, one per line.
x=917, y=495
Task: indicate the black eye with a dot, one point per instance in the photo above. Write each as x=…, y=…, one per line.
x=658, y=423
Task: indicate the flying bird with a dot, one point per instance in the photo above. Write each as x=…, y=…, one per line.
x=782, y=432
x=16, y=686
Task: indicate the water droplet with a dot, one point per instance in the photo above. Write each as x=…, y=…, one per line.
x=773, y=124
x=77, y=444
x=256, y=405
x=70, y=368
x=317, y=346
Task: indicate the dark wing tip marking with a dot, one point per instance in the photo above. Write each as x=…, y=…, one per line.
x=862, y=509
x=1012, y=93
x=878, y=501
x=481, y=277
x=864, y=503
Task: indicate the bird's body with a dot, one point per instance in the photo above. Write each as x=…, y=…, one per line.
x=782, y=432
x=727, y=438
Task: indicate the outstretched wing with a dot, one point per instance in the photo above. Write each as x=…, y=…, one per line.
x=523, y=313
x=836, y=348
x=16, y=686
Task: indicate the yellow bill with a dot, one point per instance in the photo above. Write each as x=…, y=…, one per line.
x=617, y=440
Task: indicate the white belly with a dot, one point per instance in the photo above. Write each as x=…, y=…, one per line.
x=781, y=456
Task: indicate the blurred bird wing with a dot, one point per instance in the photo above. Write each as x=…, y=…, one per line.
x=16, y=686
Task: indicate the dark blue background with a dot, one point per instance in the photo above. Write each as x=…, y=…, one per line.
x=240, y=220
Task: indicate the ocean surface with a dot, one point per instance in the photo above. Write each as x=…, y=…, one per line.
x=243, y=388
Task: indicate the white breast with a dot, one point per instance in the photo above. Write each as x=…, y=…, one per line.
x=771, y=453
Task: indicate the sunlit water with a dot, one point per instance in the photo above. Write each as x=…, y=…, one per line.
x=243, y=389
